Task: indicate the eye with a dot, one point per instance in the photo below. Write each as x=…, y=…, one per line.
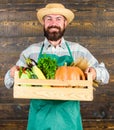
x=47, y=18
x=59, y=19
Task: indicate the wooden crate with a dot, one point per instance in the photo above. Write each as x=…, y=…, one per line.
x=23, y=89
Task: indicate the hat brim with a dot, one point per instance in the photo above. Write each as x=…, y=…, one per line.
x=68, y=14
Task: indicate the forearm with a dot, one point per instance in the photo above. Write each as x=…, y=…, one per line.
x=9, y=77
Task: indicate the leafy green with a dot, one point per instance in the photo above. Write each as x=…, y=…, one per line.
x=27, y=71
x=48, y=66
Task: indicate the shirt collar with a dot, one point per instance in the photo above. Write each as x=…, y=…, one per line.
x=47, y=44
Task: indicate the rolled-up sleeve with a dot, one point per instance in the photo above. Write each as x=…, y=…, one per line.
x=102, y=74
x=8, y=80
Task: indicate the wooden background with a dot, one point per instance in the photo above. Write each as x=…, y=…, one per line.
x=93, y=27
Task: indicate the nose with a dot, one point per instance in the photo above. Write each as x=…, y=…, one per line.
x=53, y=22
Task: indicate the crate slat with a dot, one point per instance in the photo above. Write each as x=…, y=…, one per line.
x=25, y=89
x=53, y=93
x=53, y=82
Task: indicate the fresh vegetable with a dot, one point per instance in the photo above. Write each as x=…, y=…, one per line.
x=26, y=73
x=48, y=66
x=83, y=64
x=35, y=70
x=69, y=73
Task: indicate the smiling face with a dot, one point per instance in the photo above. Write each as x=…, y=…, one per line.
x=54, y=27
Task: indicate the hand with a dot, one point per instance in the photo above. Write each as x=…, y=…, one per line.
x=12, y=70
x=92, y=71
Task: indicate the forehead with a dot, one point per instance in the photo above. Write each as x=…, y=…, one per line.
x=54, y=16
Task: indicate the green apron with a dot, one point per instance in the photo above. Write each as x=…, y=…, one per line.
x=55, y=114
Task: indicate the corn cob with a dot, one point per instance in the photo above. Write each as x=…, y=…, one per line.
x=33, y=66
x=39, y=74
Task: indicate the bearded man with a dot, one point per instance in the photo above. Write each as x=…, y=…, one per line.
x=57, y=114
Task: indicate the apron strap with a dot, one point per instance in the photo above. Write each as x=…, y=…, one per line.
x=69, y=50
x=40, y=51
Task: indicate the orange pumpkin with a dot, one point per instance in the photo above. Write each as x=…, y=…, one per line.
x=69, y=73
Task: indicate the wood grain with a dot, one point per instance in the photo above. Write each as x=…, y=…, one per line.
x=93, y=27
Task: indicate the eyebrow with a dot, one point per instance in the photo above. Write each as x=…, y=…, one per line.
x=61, y=16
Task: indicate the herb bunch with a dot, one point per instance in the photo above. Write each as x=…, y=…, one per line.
x=48, y=66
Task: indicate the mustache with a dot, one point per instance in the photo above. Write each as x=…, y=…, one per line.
x=54, y=27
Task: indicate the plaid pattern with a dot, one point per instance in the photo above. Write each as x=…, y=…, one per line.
x=76, y=49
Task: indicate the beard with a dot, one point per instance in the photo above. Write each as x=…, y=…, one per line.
x=54, y=35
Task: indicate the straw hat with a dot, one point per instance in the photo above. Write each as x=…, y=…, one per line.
x=55, y=8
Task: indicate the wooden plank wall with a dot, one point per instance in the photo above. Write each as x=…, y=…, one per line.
x=93, y=27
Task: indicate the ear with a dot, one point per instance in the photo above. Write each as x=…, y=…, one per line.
x=66, y=23
x=43, y=22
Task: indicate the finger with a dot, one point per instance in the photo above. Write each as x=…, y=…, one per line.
x=17, y=67
x=87, y=70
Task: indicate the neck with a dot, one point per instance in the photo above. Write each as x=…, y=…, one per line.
x=55, y=43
